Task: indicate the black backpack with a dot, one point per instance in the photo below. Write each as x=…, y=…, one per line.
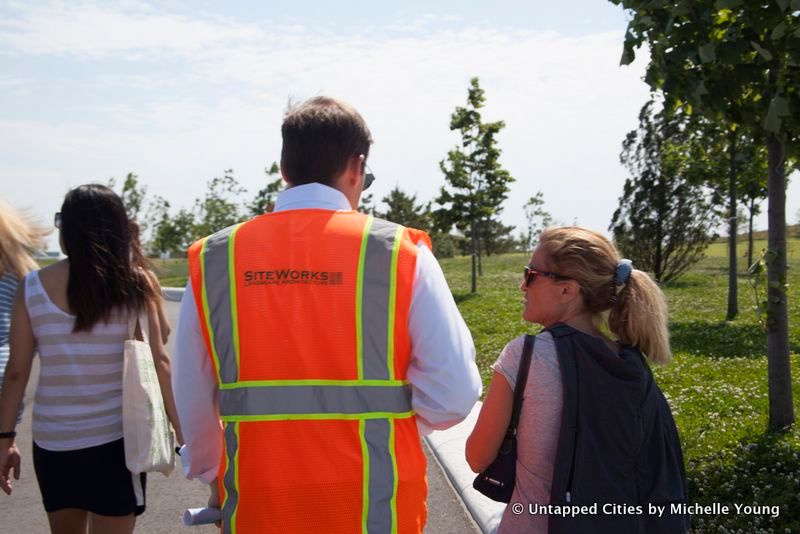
x=618, y=452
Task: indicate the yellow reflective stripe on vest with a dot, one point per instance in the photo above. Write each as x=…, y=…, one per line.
x=374, y=399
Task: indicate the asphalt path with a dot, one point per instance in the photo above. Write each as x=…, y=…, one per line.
x=168, y=497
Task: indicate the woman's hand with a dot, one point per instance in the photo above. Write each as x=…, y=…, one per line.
x=9, y=459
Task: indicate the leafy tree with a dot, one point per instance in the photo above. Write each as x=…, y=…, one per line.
x=133, y=197
x=218, y=209
x=496, y=237
x=163, y=239
x=752, y=186
x=265, y=198
x=173, y=234
x=477, y=185
x=403, y=209
x=367, y=206
x=728, y=158
x=737, y=60
x=447, y=245
x=185, y=229
x=665, y=218
x=537, y=219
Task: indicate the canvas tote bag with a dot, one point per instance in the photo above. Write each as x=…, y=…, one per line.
x=149, y=443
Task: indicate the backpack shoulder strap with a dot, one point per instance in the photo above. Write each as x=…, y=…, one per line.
x=561, y=330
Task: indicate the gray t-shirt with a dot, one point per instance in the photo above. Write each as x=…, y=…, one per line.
x=537, y=434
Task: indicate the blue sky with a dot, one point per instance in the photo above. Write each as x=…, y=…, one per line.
x=177, y=92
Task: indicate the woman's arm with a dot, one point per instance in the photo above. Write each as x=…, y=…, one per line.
x=162, y=313
x=18, y=371
x=487, y=436
x=163, y=368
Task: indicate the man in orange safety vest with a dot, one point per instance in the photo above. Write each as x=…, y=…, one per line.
x=315, y=345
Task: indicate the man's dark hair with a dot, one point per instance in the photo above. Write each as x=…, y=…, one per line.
x=319, y=138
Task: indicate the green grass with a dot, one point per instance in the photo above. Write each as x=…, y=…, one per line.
x=172, y=272
x=716, y=384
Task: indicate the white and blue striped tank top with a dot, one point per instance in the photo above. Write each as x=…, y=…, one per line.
x=78, y=402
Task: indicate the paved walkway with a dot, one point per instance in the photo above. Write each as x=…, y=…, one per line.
x=168, y=497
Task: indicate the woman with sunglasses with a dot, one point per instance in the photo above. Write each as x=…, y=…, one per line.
x=75, y=314
x=577, y=286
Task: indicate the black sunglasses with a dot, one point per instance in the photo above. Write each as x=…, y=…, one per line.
x=57, y=220
x=530, y=275
x=368, y=178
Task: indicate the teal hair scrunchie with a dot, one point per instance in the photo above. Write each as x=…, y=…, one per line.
x=624, y=268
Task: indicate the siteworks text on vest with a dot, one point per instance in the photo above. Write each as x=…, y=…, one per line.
x=292, y=276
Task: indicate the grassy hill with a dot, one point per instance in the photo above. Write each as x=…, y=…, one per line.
x=792, y=232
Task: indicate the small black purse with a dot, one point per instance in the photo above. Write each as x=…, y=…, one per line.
x=497, y=480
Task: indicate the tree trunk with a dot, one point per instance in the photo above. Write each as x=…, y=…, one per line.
x=750, y=233
x=474, y=253
x=781, y=410
x=480, y=256
x=658, y=268
x=733, y=288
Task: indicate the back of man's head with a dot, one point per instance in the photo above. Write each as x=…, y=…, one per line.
x=320, y=136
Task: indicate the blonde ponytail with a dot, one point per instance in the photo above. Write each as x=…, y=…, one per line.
x=639, y=317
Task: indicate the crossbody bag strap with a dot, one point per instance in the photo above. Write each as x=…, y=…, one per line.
x=522, y=380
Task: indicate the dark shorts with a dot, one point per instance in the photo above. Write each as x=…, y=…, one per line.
x=93, y=479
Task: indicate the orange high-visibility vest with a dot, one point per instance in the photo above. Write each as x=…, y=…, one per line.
x=305, y=316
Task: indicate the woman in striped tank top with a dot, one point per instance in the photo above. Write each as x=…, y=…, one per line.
x=75, y=314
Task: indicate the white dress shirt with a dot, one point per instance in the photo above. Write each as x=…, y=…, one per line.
x=444, y=379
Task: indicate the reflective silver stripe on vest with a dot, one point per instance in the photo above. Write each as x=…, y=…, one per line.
x=381, y=476
x=375, y=299
x=230, y=482
x=375, y=329
x=332, y=399
x=218, y=290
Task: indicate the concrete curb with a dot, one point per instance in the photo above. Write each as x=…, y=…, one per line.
x=448, y=447
x=175, y=294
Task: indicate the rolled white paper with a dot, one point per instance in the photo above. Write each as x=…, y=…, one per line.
x=201, y=516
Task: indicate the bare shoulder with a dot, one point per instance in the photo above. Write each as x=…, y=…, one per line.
x=153, y=279
x=55, y=273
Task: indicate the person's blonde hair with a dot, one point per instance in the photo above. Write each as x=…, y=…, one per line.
x=636, y=311
x=19, y=236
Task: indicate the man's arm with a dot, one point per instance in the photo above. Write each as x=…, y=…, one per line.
x=196, y=395
x=444, y=379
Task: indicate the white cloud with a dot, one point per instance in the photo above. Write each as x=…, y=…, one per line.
x=566, y=103
x=96, y=30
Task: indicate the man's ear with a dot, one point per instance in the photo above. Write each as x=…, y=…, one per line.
x=355, y=170
x=285, y=178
